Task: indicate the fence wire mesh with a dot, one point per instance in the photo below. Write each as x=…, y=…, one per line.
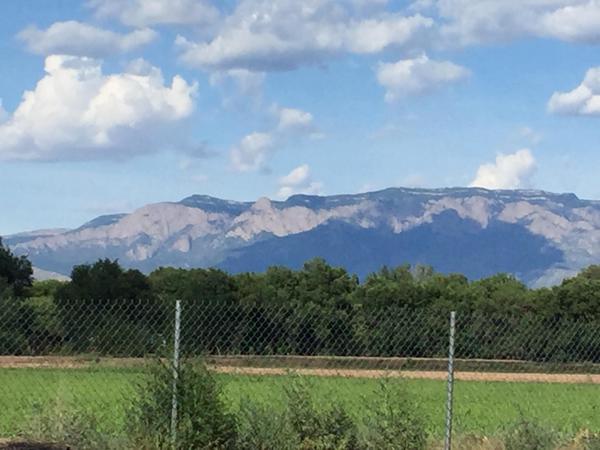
x=92, y=357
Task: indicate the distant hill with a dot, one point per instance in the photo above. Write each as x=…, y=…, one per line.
x=538, y=236
x=43, y=275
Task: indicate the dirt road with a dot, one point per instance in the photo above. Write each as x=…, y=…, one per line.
x=62, y=362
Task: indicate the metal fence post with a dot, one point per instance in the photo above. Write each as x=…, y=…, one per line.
x=175, y=373
x=448, y=436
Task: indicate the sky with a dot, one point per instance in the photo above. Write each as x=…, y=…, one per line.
x=107, y=105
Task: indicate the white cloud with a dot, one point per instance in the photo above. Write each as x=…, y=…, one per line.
x=510, y=171
x=295, y=120
x=468, y=22
x=576, y=22
x=298, y=181
x=375, y=35
x=77, y=112
x=252, y=152
x=254, y=149
x=262, y=35
x=81, y=39
x=141, y=13
x=296, y=177
x=583, y=100
x=417, y=76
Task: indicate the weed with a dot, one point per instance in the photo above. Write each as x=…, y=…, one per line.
x=203, y=420
x=318, y=428
x=393, y=421
x=528, y=435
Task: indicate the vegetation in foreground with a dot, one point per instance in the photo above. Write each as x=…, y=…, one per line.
x=481, y=408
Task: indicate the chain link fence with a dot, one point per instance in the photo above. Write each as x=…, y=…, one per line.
x=92, y=356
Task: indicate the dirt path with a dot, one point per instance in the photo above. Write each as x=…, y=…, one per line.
x=417, y=374
x=63, y=362
x=66, y=362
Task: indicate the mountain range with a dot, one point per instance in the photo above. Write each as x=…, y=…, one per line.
x=538, y=236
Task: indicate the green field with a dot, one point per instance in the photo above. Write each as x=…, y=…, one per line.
x=480, y=407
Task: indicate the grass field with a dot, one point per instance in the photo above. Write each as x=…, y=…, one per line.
x=480, y=407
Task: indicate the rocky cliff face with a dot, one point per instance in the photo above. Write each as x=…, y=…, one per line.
x=540, y=237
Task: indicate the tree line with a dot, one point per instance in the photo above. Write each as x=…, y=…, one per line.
x=316, y=310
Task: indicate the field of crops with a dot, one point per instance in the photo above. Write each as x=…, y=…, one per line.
x=481, y=407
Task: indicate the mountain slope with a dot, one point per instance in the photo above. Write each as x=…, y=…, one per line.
x=540, y=237
x=436, y=244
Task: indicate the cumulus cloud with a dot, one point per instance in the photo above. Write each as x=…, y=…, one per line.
x=583, y=100
x=417, y=76
x=254, y=149
x=295, y=120
x=262, y=35
x=298, y=181
x=141, y=13
x=574, y=22
x=467, y=22
x=77, y=112
x=252, y=152
x=81, y=39
x=510, y=171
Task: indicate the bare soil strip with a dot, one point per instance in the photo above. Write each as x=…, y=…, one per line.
x=224, y=365
x=66, y=362
x=417, y=374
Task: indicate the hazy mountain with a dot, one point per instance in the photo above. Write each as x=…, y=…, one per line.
x=42, y=275
x=539, y=236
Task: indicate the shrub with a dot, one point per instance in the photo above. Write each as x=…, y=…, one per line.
x=13, y=340
x=329, y=428
x=261, y=428
x=203, y=420
x=585, y=440
x=393, y=421
x=69, y=425
x=527, y=435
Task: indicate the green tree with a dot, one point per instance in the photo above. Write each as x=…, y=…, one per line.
x=578, y=298
x=194, y=285
x=389, y=287
x=40, y=317
x=591, y=273
x=446, y=293
x=321, y=284
x=212, y=318
x=105, y=308
x=105, y=281
x=500, y=293
x=16, y=273
x=15, y=277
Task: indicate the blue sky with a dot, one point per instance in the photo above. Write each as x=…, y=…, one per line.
x=108, y=105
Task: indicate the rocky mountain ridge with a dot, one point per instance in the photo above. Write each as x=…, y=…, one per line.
x=539, y=236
